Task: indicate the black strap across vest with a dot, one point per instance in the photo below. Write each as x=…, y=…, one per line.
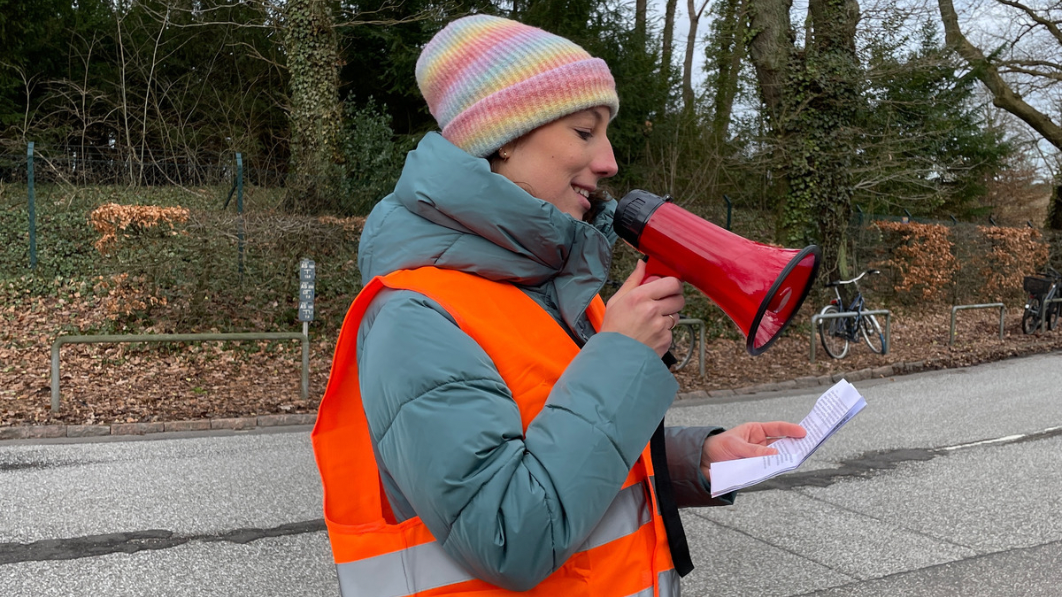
x=676, y=537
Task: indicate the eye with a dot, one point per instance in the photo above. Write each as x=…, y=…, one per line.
x=584, y=135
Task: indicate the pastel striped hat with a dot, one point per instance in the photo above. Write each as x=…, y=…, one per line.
x=489, y=80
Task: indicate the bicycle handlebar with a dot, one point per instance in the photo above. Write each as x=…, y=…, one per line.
x=855, y=279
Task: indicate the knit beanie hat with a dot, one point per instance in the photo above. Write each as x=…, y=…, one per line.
x=489, y=80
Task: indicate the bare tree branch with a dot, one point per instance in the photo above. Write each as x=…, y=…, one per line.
x=1002, y=93
x=1048, y=24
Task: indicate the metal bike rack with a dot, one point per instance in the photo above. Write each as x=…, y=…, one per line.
x=699, y=324
x=845, y=314
x=957, y=308
x=180, y=338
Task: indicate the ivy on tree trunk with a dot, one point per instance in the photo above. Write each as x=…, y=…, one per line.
x=313, y=61
x=812, y=99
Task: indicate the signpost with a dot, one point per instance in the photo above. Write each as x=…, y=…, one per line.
x=307, y=273
x=32, y=207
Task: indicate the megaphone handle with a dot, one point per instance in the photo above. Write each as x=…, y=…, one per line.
x=657, y=268
x=669, y=359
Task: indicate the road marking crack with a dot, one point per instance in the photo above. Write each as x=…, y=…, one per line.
x=98, y=545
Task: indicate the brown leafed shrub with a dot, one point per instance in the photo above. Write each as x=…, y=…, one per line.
x=921, y=259
x=1013, y=254
x=124, y=295
x=110, y=219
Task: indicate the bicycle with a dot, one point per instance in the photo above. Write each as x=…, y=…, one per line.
x=837, y=332
x=1041, y=289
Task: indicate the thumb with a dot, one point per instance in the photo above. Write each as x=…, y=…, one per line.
x=764, y=451
x=634, y=280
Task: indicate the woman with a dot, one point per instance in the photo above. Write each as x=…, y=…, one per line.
x=486, y=422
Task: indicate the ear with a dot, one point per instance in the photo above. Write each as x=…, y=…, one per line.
x=506, y=151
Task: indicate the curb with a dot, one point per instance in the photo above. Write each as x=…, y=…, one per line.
x=83, y=431
x=811, y=381
x=263, y=421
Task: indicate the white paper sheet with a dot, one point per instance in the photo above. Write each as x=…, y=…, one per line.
x=832, y=410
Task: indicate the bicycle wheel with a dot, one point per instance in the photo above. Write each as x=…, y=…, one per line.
x=1030, y=319
x=832, y=333
x=872, y=334
x=683, y=342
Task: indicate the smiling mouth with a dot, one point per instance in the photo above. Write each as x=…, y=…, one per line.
x=585, y=193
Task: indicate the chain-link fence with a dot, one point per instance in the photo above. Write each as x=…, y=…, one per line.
x=113, y=165
x=988, y=261
x=230, y=264
x=241, y=240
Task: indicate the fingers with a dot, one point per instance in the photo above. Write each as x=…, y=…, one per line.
x=645, y=309
x=779, y=429
x=732, y=446
x=755, y=451
x=749, y=440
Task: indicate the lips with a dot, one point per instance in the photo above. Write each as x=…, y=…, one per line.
x=584, y=198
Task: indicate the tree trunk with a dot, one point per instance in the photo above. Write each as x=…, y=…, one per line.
x=731, y=53
x=313, y=62
x=688, y=97
x=771, y=49
x=1054, y=210
x=640, y=18
x=811, y=99
x=666, y=49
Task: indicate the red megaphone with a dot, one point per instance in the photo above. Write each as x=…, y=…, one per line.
x=759, y=286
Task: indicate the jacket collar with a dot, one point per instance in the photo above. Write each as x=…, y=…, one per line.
x=449, y=210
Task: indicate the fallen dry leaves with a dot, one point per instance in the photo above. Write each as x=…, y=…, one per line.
x=142, y=382
x=119, y=383
x=915, y=337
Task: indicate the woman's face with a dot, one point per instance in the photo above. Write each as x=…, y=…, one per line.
x=562, y=162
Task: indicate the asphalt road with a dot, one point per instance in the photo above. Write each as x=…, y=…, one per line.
x=948, y=483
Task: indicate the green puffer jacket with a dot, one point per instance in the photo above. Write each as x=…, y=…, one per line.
x=508, y=506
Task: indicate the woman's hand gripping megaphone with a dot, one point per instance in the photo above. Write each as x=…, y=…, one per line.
x=645, y=308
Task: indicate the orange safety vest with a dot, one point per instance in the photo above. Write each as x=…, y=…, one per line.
x=625, y=555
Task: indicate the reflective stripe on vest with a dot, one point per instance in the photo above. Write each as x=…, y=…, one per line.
x=430, y=567
x=626, y=553
x=670, y=585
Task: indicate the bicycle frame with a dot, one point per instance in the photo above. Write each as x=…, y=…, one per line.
x=857, y=306
x=851, y=324
x=1040, y=311
x=857, y=326
x=1051, y=293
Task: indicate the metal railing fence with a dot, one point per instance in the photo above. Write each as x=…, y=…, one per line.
x=222, y=337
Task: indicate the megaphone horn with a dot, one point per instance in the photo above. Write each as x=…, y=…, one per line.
x=760, y=287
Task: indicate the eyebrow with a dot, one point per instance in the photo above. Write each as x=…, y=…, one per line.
x=595, y=112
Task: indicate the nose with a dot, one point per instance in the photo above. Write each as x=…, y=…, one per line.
x=604, y=163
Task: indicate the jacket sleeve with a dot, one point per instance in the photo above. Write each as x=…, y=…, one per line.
x=684, y=445
x=509, y=507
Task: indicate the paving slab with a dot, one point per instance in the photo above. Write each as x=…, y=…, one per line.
x=730, y=563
